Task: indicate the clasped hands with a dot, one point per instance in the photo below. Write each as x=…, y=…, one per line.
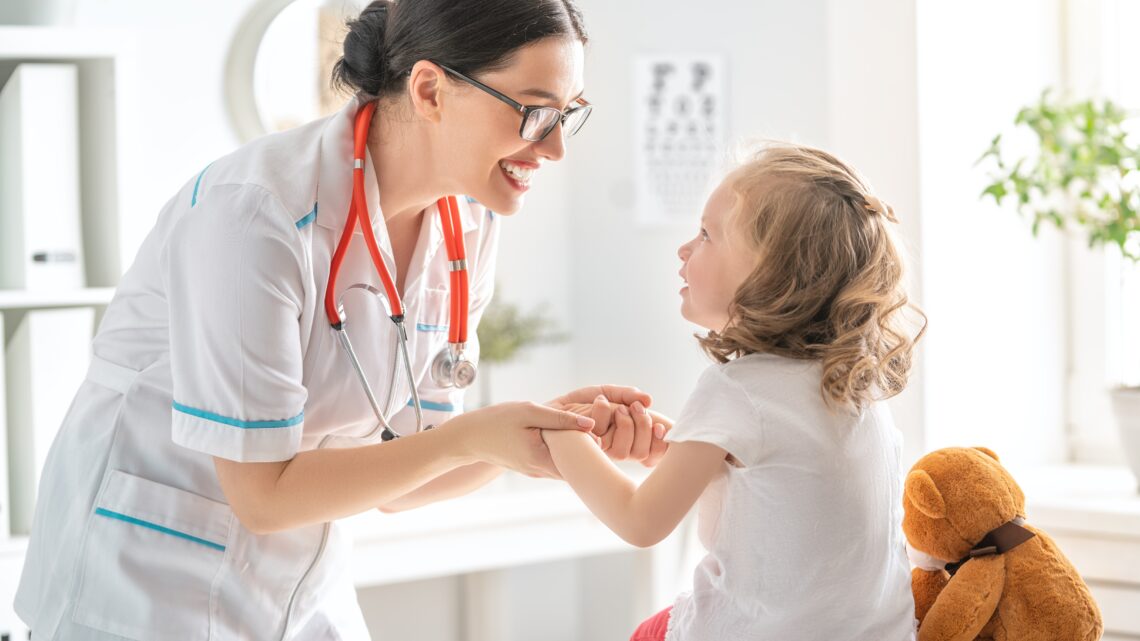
x=509, y=435
x=624, y=427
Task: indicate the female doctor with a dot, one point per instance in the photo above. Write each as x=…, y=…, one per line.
x=291, y=328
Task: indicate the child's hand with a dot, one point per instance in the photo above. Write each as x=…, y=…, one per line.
x=625, y=432
x=583, y=409
x=633, y=434
x=580, y=408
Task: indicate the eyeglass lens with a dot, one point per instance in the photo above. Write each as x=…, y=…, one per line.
x=539, y=122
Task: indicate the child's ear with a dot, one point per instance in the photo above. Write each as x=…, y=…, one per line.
x=923, y=493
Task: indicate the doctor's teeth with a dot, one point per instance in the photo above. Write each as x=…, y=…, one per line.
x=522, y=174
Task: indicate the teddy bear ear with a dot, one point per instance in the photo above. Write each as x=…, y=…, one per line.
x=988, y=452
x=923, y=493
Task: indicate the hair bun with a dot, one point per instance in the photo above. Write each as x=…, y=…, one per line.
x=364, y=66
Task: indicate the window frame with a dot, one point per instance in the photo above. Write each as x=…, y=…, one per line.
x=1095, y=296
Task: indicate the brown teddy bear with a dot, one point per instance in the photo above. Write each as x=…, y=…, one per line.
x=1003, y=579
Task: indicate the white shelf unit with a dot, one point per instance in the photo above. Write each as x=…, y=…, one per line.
x=105, y=73
x=13, y=300
x=103, y=61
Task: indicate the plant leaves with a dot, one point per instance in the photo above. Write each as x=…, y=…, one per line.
x=1077, y=174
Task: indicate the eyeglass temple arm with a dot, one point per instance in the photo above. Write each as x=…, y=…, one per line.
x=518, y=106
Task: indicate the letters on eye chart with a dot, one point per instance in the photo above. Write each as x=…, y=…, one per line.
x=679, y=133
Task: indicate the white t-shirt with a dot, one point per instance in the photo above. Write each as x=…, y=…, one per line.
x=804, y=537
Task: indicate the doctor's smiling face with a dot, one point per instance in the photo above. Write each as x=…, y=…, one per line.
x=455, y=79
x=489, y=159
x=715, y=263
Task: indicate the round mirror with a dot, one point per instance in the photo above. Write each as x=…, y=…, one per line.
x=278, y=70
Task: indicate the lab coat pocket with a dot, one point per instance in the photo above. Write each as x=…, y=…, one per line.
x=431, y=330
x=152, y=554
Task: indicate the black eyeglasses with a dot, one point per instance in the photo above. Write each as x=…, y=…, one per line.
x=537, y=121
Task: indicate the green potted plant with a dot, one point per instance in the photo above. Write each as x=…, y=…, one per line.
x=1080, y=174
x=504, y=331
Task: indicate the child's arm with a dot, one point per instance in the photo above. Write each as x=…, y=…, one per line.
x=641, y=515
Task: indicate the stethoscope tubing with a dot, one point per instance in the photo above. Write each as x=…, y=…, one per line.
x=453, y=237
x=457, y=265
x=402, y=342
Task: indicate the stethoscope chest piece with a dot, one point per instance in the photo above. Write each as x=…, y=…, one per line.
x=451, y=369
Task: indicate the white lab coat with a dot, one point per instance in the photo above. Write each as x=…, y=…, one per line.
x=216, y=344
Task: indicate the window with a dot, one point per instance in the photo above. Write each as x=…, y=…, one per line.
x=1104, y=288
x=1123, y=85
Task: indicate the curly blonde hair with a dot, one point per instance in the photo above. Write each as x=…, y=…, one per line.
x=828, y=284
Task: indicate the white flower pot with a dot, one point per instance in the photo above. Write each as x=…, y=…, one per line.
x=1126, y=406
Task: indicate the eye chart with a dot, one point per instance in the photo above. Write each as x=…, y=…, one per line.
x=679, y=130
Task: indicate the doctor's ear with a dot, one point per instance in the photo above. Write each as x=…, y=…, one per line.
x=424, y=85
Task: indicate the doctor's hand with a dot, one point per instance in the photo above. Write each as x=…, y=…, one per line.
x=510, y=435
x=624, y=428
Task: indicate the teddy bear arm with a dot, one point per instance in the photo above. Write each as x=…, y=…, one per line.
x=926, y=585
x=967, y=602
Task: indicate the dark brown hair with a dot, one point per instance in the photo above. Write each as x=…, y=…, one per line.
x=471, y=36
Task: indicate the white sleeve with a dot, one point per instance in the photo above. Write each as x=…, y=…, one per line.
x=720, y=412
x=233, y=269
x=442, y=403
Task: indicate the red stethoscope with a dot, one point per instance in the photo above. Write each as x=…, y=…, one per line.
x=449, y=368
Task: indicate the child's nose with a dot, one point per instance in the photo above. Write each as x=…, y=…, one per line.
x=683, y=252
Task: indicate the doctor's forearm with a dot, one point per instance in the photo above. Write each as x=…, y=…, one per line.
x=323, y=485
x=457, y=482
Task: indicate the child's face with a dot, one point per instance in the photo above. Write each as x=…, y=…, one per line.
x=716, y=263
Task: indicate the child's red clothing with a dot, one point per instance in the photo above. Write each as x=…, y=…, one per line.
x=653, y=628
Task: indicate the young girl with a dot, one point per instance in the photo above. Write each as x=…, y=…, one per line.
x=785, y=439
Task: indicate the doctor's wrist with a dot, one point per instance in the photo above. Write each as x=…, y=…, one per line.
x=458, y=443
